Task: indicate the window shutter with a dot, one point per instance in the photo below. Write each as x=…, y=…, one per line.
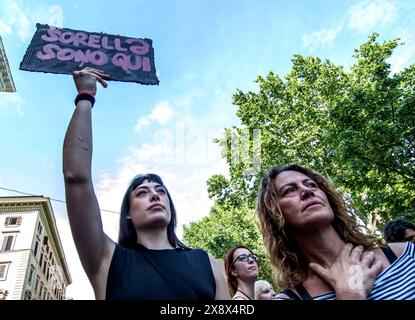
x=3, y=245
x=7, y=222
x=9, y=242
x=3, y=271
x=19, y=221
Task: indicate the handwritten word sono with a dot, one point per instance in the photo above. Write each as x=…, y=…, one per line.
x=127, y=58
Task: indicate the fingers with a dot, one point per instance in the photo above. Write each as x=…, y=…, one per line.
x=76, y=74
x=102, y=82
x=376, y=268
x=322, y=272
x=345, y=253
x=368, y=258
x=97, y=72
x=356, y=253
x=369, y=262
x=91, y=71
x=98, y=75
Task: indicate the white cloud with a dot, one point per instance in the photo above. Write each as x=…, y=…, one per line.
x=22, y=18
x=185, y=101
x=403, y=55
x=4, y=28
x=190, y=76
x=11, y=104
x=162, y=113
x=323, y=38
x=362, y=18
x=141, y=124
x=15, y=16
x=80, y=289
x=365, y=16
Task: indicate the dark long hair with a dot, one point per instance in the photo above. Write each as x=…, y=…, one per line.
x=289, y=266
x=128, y=236
x=232, y=282
x=395, y=230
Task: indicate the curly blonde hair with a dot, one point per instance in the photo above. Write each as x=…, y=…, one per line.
x=289, y=266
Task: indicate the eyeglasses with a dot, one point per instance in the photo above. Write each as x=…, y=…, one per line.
x=244, y=258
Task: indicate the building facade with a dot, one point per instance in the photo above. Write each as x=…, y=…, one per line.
x=32, y=261
x=6, y=79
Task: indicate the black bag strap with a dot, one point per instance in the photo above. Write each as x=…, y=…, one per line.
x=389, y=254
x=174, y=282
x=302, y=291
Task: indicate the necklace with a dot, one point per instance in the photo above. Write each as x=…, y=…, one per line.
x=249, y=298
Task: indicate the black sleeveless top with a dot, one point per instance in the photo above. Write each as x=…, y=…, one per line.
x=170, y=274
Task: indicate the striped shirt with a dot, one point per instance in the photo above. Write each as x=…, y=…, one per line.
x=396, y=282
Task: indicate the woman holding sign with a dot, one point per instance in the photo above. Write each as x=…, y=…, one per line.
x=317, y=248
x=149, y=262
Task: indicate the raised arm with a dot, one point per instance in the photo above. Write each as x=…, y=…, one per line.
x=222, y=291
x=94, y=247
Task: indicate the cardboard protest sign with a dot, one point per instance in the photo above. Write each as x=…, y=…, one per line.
x=62, y=50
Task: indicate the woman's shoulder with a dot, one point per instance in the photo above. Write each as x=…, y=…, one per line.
x=238, y=297
x=398, y=247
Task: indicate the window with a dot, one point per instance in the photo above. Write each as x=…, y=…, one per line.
x=41, y=259
x=37, y=283
x=41, y=290
x=4, y=267
x=27, y=295
x=32, y=269
x=44, y=267
x=39, y=228
x=36, y=249
x=3, y=294
x=13, y=221
x=8, y=241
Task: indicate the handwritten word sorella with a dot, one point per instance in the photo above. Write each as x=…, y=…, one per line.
x=129, y=52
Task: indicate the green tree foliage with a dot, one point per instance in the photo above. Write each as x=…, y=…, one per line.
x=357, y=127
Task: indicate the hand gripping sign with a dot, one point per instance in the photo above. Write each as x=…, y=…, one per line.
x=62, y=50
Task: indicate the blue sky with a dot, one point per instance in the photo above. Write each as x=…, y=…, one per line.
x=204, y=51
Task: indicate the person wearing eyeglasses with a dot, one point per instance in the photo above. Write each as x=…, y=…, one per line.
x=241, y=266
x=318, y=249
x=149, y=262
x=399, y=231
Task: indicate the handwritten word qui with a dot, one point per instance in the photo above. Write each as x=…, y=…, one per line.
x=97, y=57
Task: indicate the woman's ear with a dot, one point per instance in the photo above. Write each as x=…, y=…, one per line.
x=234, y=273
